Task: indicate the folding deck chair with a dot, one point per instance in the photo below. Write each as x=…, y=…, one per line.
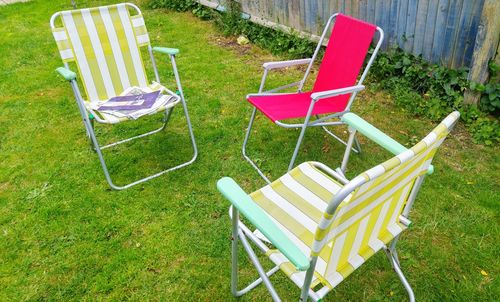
x=318, y=227
x=335, y=87
x=105, y=43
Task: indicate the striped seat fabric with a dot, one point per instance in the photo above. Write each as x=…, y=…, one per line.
x=105, y=43
x=364, y=222
x=296, y=202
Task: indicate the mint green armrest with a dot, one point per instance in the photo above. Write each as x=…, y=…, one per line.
x=232, y=191
x=67, y=74
x=376, y=135
x=166, y=50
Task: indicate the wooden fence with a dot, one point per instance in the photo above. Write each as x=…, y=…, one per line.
x=452, y=33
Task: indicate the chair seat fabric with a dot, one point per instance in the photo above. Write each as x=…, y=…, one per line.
x=296, y=203
x=295, y=105
x=107, y=118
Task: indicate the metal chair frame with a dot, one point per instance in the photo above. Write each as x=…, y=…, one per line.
x=320, y=121
x=89, y=122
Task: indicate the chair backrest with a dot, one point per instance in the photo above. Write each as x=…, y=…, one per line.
x=105, y=43
x=371, y=216
x=344, y=55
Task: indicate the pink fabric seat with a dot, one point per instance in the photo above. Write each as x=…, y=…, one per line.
x=343, y=59
x=295, y=105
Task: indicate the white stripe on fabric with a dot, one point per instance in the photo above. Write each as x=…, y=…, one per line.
x=404, y=156
x=134, y=51
x=383, y=184
x=368, y=208
x=304, y=248
x=136, y=22
x=375, y=243
x=115, y=46
x=66, y=54
x=399, y=206
x=335, y=257
x=286, y=206
x=60, y=35
x=375, y=171
x=354, y=258
x=80, y=56
x=142, y=39
x=99, y=53
x=319, y=178
x=303, y=192
x=430, y=138
x=450, y=119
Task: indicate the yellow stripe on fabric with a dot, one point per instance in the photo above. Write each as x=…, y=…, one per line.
x=125, y=50
x=440, y=129
x=382, y=178
x=138, y=50
x=391, y=163
x=108, y=51
x=90, y=55
x=311, y=185
x=346, y=270
x=301, y=204
x=320, y=234
x=348, y=245
x=376, y=195
x=420, y=147
x=289, y=222
x=63, y=45
x=288, y=268
x=81, y=62
x=365, y=250
x=140, y=30
x=322, y=280
x=395, y=198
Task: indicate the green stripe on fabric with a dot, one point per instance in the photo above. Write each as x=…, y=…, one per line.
x=125, y=50
x=90, y=55
x=108, y=51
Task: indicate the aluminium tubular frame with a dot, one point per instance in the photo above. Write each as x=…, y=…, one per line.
x=89, y=124
x=241, y=232
x=319, y=121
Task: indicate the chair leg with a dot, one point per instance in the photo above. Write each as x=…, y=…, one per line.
x=304, y=295
x=264, y=276
x=393, y=259
x=244, y=151
x=98, y=149
x=358, y=146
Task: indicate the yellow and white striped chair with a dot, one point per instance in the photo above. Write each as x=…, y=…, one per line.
x=323, y=226
x=105, y=44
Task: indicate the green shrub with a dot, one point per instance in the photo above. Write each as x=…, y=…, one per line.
x=420, y=87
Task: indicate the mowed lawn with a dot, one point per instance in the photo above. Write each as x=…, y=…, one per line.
x=64, y=235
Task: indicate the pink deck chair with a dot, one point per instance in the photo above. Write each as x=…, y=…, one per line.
x=334, y=89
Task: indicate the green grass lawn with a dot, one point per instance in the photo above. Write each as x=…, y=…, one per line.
x=65, y=236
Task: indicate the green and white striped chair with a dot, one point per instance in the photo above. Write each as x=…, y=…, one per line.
x=105, y=44
x=318, y=227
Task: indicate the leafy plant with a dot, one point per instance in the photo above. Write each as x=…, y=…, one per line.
x=433, y=91
x=420, y=87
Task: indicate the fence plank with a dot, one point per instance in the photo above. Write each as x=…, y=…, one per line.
x=487, y=41
x=443, y=31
